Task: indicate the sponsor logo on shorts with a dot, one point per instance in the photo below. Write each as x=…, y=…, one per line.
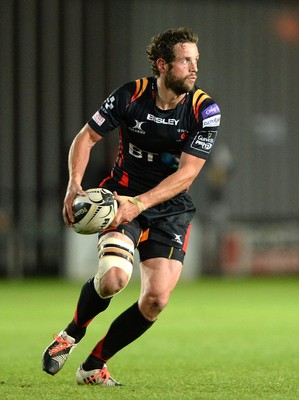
x=177, y=238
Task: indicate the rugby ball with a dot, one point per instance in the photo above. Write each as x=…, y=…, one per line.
x=94, y=211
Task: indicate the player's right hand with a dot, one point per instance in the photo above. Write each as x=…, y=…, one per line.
x=72, y=191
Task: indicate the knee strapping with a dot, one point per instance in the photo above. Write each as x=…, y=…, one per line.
x=114, y=252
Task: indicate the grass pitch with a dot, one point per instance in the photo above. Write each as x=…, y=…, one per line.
x=218, y=339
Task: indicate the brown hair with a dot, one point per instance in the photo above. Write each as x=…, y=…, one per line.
x=161, y=46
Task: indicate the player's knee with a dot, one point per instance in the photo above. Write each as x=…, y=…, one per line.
x=116, y=258
x=151, y=305
x=158, y=303
x=112, y=282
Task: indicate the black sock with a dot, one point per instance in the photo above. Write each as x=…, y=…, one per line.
x=89, y=305
x=92, y=362
x=124, y=329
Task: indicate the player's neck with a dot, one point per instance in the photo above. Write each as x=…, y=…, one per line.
x=166, y=99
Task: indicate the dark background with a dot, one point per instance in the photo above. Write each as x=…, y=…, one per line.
x=60, y=59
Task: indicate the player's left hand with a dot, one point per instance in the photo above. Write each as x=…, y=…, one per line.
x=128, y=209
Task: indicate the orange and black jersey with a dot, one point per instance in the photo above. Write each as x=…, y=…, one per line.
x=151, y=139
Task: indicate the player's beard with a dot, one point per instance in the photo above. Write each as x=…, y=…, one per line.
x=178, y=85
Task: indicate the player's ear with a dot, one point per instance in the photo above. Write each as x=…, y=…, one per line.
x=162, y=65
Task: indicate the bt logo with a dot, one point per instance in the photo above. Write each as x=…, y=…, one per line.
x=138, y=153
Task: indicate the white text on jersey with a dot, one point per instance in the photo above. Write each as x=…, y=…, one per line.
x=170, y=121
x=138, y=153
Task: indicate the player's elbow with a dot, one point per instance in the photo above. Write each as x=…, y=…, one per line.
x=188, y=178
x=87, y=136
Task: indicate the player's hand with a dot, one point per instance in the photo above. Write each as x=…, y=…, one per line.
x=72, y=191
x=128, y=209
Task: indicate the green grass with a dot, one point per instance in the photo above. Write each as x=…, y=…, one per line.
x=219, y=339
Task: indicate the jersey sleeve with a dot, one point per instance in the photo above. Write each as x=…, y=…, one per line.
x=112, y=110
x=202, y=136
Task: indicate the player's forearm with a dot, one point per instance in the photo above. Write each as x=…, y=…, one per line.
x=77, y=162
x=167, y=189
x=174, y=184
x=79, y=155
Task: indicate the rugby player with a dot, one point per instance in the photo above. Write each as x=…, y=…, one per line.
x=167, y=128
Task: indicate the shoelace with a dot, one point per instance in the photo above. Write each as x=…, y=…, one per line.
x=103, y=374
x=62, y=344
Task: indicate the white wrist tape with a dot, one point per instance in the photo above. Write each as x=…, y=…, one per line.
x=137, y=202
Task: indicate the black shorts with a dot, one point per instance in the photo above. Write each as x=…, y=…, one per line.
x=163, y=230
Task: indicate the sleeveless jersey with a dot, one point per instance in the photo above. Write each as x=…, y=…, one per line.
x=151, y=140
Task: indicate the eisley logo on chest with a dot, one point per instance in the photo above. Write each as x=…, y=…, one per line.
x=170, y=121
